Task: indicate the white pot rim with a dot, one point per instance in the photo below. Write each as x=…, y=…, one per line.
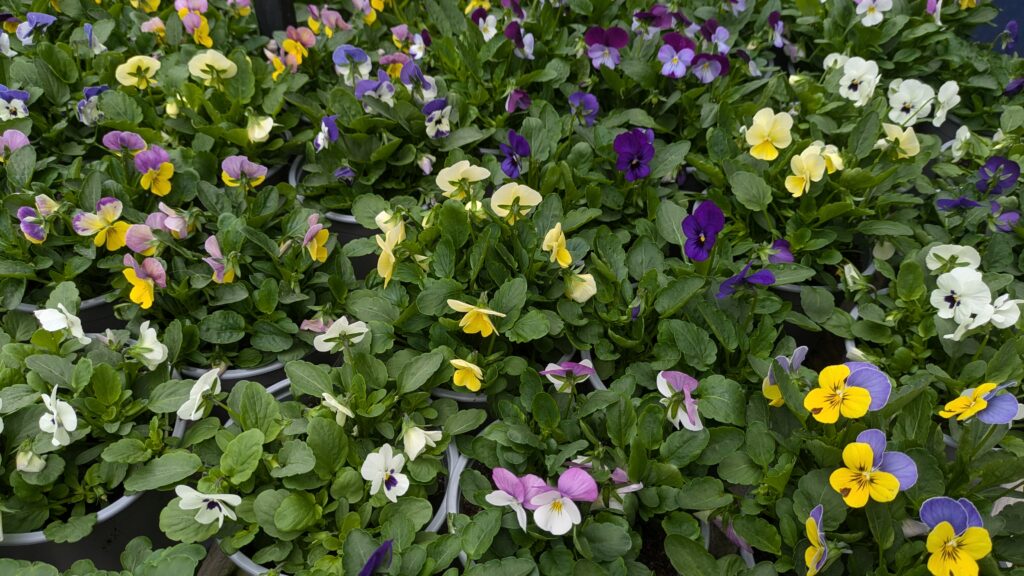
x=86, y=304
x=234, y=373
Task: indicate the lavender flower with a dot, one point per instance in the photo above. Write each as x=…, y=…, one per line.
x=701, y=230
x=382, y=89
x=33, y=21
x=707, y=67
x=240, y=171
x=10, y=141
x=780, y=253
x=119, y=142
x=413, y=79
x=603, y=45
x=517, y=99
x=776, y=28
x=998, y=175
x=636, y=150
x=759, y=278
x=328, y=134
x=675, y=55
x=345, y=174
x=1009, y=36
x=351, y=63
x=516, y=149
x=584, y=106
x=32, y=226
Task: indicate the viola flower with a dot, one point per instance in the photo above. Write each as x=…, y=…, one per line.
x=517, y=99
x=759, y=278
x=603, y=45
x=1007, y=221
x=474, y=5
x=120, y=142
x=455, y=180
x=211, y=507
x=104, y=225
x=415, y=440
x=655, y=20
x=341, y=412
x=852, y=389
x=567, y=375
x=351, y=63
x=872, y=473
x=584, y=106
x=487, y=23
x=960, y=294
x=87, y=110
x=872, y=12
x=808, y=166
x=436, y=121
x=623, y=486
x=1008, y=38
x=790, y=365
x=59, y=318
x=94, y=45
x=258, y=128
x=635, y=150
x=315, y=239
x=998, y=175
x=32, y=225
x=33, y=21
x=779, y=253
x=168, y=220
x=986, y=403
x=156, y=169
x=239, y=171
x=328, y=134
x=957, y=537
x=345, y=174
x=222, y=272
x=946, y=99
x=556, y=509
x=383, y=469
x=768, y=132
x=1006, y=312
x=28, y=461
x=946, y=257
x=715, y=34
x=10, y=141
x=554, y=242
x=961, y=203
x=380, y=89
x=59, y=419
x=676, y=55
x=341, y=333
x=516, y=149
x=934, y=7
x=817, y=553
x=476, y=319
x=13, y=103
x=523, y=44
x=467, y=374
x=380, y=559
x=331, y=20
x=386, y=261
x=140, y=239
x=515, y=492
x=701, y=230
x=580, y=287
x=212, y=67
x=910, y=101
x=514, y=201
x=677, y=389
x=149, y=350
x=144, y=279
x=776, y=28
x=422, y=86
x=138, y=71
x=154, y=25
x=707, y=67
x=859, y=80
x=906, y=140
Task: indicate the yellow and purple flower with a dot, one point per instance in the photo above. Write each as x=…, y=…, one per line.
x=603, y=45
x=872, y=473
x=120, y=142
x=315, y=240
x=104, y=224
x=852, y=390
x=156, y=169
x=769, y=388
x=635, y=150
x=239, y=171
x=327, y=19
x=32, y=225
x=676, y=55
x=817, y=552
x=986, y=403
x=957, y=537
x=144, y=279
x=223, y=271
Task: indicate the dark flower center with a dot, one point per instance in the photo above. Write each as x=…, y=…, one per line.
x=854, y=85
x=389, y=480
x=952, y=299
x=212, y=505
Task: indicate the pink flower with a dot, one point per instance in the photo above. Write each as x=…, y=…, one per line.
x=516, y=492
x=168, y=220
x=556, y=509
x=140, y=239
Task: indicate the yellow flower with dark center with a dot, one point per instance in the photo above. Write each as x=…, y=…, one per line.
x=859, y=481
x=966, y=406
x=957, y=555
x=476, y=318
x=834, y=397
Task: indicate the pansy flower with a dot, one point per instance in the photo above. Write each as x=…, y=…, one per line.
x=635, y=150
x=517, y=148
x=745, y=278
x=986, y=403
x=707, y=67
x=223, y=272
x=580, y=287
x=381, y=89
x=960, y=294
x=716, y=34
x=907, y=144
x=13, y=103
x=957, y=537
x=961, y=203
x=998, y=175
x=380, y=559
x=212, y=67
x=352, y=63
x=340, y=335
x=807, y=166
x=120, y=142
x=87, y=110
x=383, y=469
x=852, y=390
x=486, y=23
x=419, y=84
x=584, y=106
x=776, y=28
x=156, y=169
x=328, y=133
x=138, y=71
x=701, y=230
x=140, y=239
x=467, y=374
x=33, y=227
x=326, y=19
x=154, y=25
x=522, y=43
x=513, y=201
x=436, y=118
x=554, y=242
x=144, y=279
x=859, y=80
x=677, y=389
x=872, y=473
x=872, y=12
x=33, y=21
x=211, y=507
x=768, y=132
x=515, y=492
x=455, y=180
x=652, y=21
x=475, y=319
x=779, y=252
x=104, y=224
x=517, y=99
x=11, y=140
x=556, y=511
x=315, y=240
x=769, y=388
x=240, y=171
x=94, y=45
x=676, y=55
x=603, y=45
x=566, y=375
x=910, y=101
x=169, y=220
x=817, y=552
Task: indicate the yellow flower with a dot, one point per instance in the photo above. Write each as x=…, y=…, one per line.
x=485, y=4
x=769, y=132
x=476, y=319
x=318, y=246
x=142, y=288
x=146, y=6
x=966, y=406
x=278, y=68
x=808, y=166
x=554, y=242
x=138, y=71
x=772, y=393
x=817, y=548
x=455, y=179
x=201, y=35
x=906, y=139
x=467, y=374
x=391, y=223
x=957, y=555
x=295, y=49
x=580, y=287
x=833, y=397
x=965, y=4
x=211, y=67
x=859, y=481
x=386, y=260
x=833, y=160
x=513, y=201
x=158, y=181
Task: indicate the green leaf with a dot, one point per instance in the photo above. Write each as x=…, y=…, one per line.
x=328, y=443
x=668, y=159
x=817, y=303
x=760, y=443
x=359, y=545
x=295, y=458
x=864, y=135
x=910, y=283
x=127, y=451
x=480, y=532
x=759, y=533
x=76, y=528
x=54, y=370
x=20, y=165
x=603, y=541
x=297, y=512
x=222, y=327
x=545, y=411
x=884, y=228
x=738, y=468
x=509, y=299
x=751, y=191
x=242, y=456
x=677, y=294
x=169, y=396
x=881, y=524
x=418, y=371
x=689, y=557
x=683, y=447
x=181, y=526
x=669, y=220
x=256, y=409
x=722, y=399
x=119, y=108
x=464, y=421
x=703, y=494
x=309, y=379
x=531, y=326
x=163, y=471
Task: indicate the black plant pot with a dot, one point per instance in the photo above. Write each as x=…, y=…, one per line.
x=274, y=15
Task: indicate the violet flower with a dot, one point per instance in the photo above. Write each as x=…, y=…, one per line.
x=33, y=21
x=780, y=253
x=516, y=149
x=381, y=558
x=523, y=44
x=436, y=121
x=585, y=106
x=88, y=111
x=603, y=45
x=676, y=55
x=622, y=487
x=775, y=28
x=998, y=175
x=760, y=278
x=351, y=63
x=239, y=170
x=1014, y=87
x=382, y=89
x=1007, y=221
x=10, y=141
x=517, y=99
x=515, y=7
x=556, y=509
x=328, y=134
x=635, y=149
x=413, y=79
x=566, y=375
x=221, y=273
x=718, y=35
x=119, y=142
x=1009, y=35
x=677, y=390
x=707, y=67
x=961, y=203
x=150, y=269
x=168, y=220
x=896, y=463
x=9, y=94
x=653, y=21
x=345, y=174
x=701, y=230
x=736, y=6
x=516, y=492
x=32, y=226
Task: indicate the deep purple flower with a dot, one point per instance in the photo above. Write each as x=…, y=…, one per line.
x=714, y=33
x=515, y=7
x=345, y=174
x=523, y=43
x=585, y=106
x=751, y=64
x=896, y=463
x=634, y=313
x=961, y=203
x=478, y=16
x=516, y=149
x=701, y=230
x=10, y=141
x=707, y=67
x=603, y=45
x=775, y=28
x=1007, y=221
x=998, y=175
x=1009, y=36
x=654, y=20
x=381, y=558
x=118, y=142
x=730, y=285
x=517, y=99
x=636, y=150
x=8, y=94
x=328, y=133
x=780, y=252
x=436, y=114
x=31, y=225
x=675, y=55
x=1014, y=87
x=151, y=159
x=412, y=76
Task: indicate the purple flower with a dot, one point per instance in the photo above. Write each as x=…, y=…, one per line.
x=1007, y=221
x=382, y=89
x=31, y=225
x=33, y=20
x=701, y=230
x=168, y=220
x=635, y=149
x=10, y=141
x=140, y=239
x=1014, y=87
x=961, y=203
x=675, y=55
x=436, y=121
x=151, y=269
x=567, y=375
x=119, y=142
x=381, y=558
x=737, y=6
x=707, y=67
x=516, y=492
x=345, y=174
x=760, y=278
x=999, y=408
x=516, y=149
x=523, y=44
x=556, y=511
x=150, y=159
x=779, y=253
x=820, y=547
x=716, y=34
x=776, y=28
x=868, y=376
x=412, y=77
x=88, y=107
x=603, y=45
x=998, y=175
x=217, y=262
x=677, y=390
x=896, y=463
x=236, y=169
x=789, y=365
x=348, y=59
x=328, y=134
x=584, y=106
x=517, y=99
x=960, y=514
x=8, y=94
x=314, y=228
x=515, y=7
x=1009, y=36
x=656, y=19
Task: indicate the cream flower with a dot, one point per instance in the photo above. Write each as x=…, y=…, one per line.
x=454, y=179
x=138, y=71
x=768, y=132
x=211, y=66
x=415, y=440
x=521, y=197
x=340, y=333
x=910, y=101
x=808, y=166
x=860, y=78
x=258, y=128
x=580, y=287
x=57, y=319
x=207, y=384
x=908, y=145
x=59, y=419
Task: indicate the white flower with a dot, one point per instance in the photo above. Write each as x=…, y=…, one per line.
x=580, y=287
x=835, y=60
x=208, y=383
x=29, y=461
x=5, y=45
x=873, y=11
x=959, y=144
x=415, y=440
x=949, y=256
x=502, y=498
x=59, y=420
x=417, y=48
x=948, y=98
x=11, y=109
x=341, y=412
x=56, y=319
x=860, y=78
x=910, y=100
x=1005, y=312
x=961, y=294
x=340, y=332
x=149, y=350
x=438, y=123
x=383, y=469
x=211, y=66
x=555, y=513
x=448, y=179
x=211, y=507
x=489, y=27
x=977, y=318
x=258, y=128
